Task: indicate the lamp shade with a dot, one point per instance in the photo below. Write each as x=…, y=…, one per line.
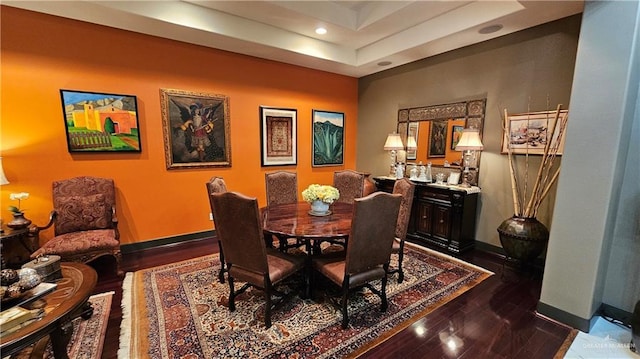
x=411, y=143
x=393, y=142
x=470, y=140
x=3, y=178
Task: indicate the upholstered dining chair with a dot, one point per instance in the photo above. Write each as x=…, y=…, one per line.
x=282, y=187
x=248, y=259
x=350, y=184
x=368, y=249
x=84, y=221
x=406, y=189
x=217, y=185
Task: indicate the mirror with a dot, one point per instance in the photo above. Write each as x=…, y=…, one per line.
x=437, y=129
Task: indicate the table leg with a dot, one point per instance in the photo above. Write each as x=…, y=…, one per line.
x=60, y=338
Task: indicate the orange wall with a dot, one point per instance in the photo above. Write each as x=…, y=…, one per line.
x=42, y=54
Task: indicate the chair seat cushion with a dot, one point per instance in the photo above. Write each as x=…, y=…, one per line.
x=82, y=213
x=334, y=268
x=73, y=243
x=280, y=264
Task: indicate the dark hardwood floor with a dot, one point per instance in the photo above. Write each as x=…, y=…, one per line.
x=495, y=319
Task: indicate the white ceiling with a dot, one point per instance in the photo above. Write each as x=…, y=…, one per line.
x=361, y=34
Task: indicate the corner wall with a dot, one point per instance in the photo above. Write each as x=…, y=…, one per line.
x=514, y=72
x=42, y=54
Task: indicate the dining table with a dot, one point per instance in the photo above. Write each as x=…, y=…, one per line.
x=295, y=220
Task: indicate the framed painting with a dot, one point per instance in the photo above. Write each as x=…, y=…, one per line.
x=412, y=132
x=327, y=138
x=278, y=136
x=196, y=129
x=528, y=133
x=456, y=132
x=100, y=122
x=438, y=139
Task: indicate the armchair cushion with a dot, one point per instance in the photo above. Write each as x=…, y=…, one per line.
x=71, y=244
x=82, y=213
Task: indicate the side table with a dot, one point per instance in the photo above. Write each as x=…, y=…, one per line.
x=17, y=246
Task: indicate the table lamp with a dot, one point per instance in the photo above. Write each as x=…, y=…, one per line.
x=411, y=143
x=469, y=141
x=393, y=144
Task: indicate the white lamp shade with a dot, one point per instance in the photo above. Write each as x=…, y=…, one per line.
x=3, y=178
x=411, y=143
x=393, y=142
x=470, y=140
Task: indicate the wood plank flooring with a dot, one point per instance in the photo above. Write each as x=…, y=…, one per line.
x=495, y=319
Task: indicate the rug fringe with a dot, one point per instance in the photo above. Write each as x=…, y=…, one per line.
x=125, y=326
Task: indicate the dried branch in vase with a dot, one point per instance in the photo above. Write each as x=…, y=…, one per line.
x=527, y=202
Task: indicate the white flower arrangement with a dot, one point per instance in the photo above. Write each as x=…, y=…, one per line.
x=17, y=197
x=324, y=193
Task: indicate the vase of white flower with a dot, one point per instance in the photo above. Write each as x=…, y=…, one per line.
x=320, y=197
x=18, y=221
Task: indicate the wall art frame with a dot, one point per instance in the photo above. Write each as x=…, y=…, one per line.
x=196, y=128
x=412, y=131
x=437, y=139
x=527, y=133
x=100, y=122
x=456, y=133
x=327, y=138
x=278, y=136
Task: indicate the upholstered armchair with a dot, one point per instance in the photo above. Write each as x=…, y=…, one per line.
x=84, y=221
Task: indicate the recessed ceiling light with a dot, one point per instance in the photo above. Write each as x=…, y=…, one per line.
x=321, y=31
x=384, y=63
x=489, y=29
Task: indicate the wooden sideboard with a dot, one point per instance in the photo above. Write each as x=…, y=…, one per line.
x=443, y=217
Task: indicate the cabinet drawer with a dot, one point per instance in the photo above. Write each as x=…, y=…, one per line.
x=435, y=196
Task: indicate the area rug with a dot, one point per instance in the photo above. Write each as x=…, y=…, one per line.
x=87, y=339
x=180, y=310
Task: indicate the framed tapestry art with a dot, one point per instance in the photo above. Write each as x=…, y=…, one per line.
x=327, y=138
x=196, y=129
x=100, y=122
x=278, y=140
x=528, y=133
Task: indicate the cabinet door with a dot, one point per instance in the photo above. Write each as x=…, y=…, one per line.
x=423, y=217
x=441, y=221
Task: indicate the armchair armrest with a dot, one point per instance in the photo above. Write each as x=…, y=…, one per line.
x=52, y=218
x=114, y=221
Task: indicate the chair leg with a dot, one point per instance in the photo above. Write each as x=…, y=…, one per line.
x=400, y=271
x=267, y=307
x=345, y=297
x=222, y=264
x=118, y=257
x=232, y=295
x=383, y=291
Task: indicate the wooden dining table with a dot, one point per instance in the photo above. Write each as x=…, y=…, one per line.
x=294, y=220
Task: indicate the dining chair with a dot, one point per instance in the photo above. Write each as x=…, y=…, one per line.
x=84, y=221
x=350, y=184
x=248, y=259
x=368, y=249
x=217, y=185
x=282, y=187
x=406, y=189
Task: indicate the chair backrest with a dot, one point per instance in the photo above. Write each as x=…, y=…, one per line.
x=215, y=185
x=350, y=184
x=238, y=226
x=83, y=203
x=372, y=231
x=282, y=187
x=405, y=188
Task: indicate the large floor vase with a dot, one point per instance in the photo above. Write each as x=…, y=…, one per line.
x=523, y=238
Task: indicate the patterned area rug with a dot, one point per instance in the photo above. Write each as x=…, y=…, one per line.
x=88, y=335
x=181, y=311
